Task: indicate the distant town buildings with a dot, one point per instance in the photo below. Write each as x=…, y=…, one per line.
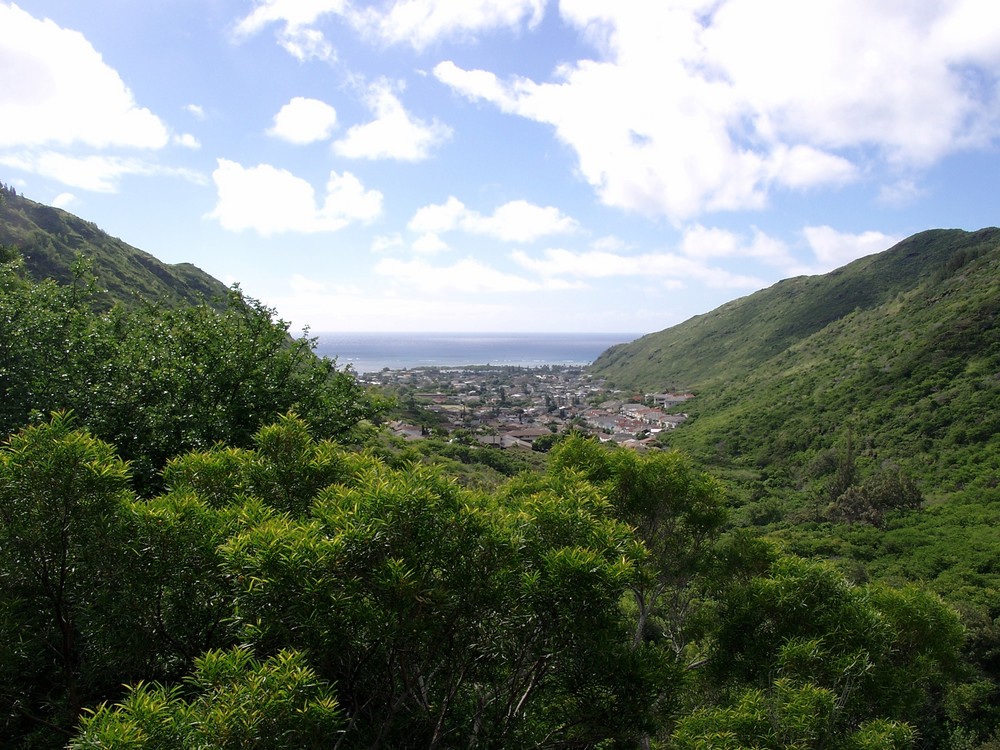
x=513, y=407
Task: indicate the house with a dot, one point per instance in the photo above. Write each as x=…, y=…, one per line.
x=406, y=431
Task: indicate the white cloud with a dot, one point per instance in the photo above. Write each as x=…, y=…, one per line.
x=393, y=134
x=481, y=84
x=55, y=89
x=598, y=264
x=804, y=166
x=96, y=172
x=292, y=13
x=63, y=199
x=702, y=243
x=834, y=249
x=696, y=106
x=195, y=109
x=304, y=120
x=439, y=217
x=900, y=193
x=468, y=276
x=516, y=221
x=383, y=243
x=307, y=44
x=347, y=197
x=520, y=221
x=429, y=243
x=296, y=19
x=420, y=23
x=187, y=141
x=269, y=200
x=848, y=87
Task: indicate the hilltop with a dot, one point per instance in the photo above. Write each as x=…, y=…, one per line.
x=50, y=239
x=900, y=350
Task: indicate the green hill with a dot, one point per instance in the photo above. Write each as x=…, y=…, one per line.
x=50, y=239
x=901, y=350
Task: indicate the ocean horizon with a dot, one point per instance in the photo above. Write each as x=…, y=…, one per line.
x=372, y=352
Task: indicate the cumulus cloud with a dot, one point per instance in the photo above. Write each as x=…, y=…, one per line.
x=833, y=249
x=598, y=264
x=702, y=243
x=56, y=90
x=296, y=21
x=97, y=172
x=269, y=200
x=691, y=106
x=292, y=13
x=393, y=134
x=429, y=243
x=440, y=217
x=516, y=221
x=187, y=141
x=303, y=121
x=420, y=23
x=383, y=243
x=468, y=276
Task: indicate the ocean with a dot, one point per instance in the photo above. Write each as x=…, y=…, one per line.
x=371, y=352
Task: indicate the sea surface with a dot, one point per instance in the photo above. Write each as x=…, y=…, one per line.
x=371, y=352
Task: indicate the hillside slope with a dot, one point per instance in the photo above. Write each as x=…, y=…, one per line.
x=49, y=240
x=900, y=349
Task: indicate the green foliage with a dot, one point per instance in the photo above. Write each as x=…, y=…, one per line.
x=883, y=492
x=676, y=512
x=884, y=653
x=232, y=701
x=788, y=715
x=444, y=615
x=276, y=589
x=62, y=497
x=158, y=382
x=181, y=601
x=285, y=470
x=295, y=592
x=900, y=348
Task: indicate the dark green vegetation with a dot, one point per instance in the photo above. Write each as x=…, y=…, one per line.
x=890, y=362
x=157, y=380
x=50, y=240
x=856, y=416
x=206, y=541
x=300, y=594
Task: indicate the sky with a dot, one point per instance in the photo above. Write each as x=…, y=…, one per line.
x=504, y=165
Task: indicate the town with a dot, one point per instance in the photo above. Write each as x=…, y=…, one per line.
x=524, y=407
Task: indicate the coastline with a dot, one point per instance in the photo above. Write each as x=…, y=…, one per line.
x=373, y=352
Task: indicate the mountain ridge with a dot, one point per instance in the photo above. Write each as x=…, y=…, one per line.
x=50, y=239
x=791, y=309
x=900, y=349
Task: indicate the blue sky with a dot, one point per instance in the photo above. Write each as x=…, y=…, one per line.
x=505, y=165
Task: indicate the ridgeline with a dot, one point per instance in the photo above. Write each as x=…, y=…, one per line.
x=900, y=350
x=50, y=240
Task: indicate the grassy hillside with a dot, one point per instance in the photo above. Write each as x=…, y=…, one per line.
x=50, y=239
x=901, y=350
x=823, y=401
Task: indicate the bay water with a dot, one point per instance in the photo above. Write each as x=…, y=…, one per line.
x=371, y=352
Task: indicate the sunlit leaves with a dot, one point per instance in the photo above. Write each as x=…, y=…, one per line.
x=236, y=702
